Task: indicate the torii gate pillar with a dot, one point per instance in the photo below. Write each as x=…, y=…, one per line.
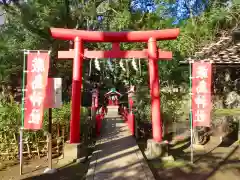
x=154, y=89
x=76, y=89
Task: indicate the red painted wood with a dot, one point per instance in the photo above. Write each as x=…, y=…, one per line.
x=116, y=46
x=98, y=124
x=76, y=92
x=154, y=90
x=130, y=120
x=115, y=37
x=127, y=36
x=167, y=55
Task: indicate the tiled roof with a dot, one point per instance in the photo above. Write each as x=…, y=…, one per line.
x=224, y=51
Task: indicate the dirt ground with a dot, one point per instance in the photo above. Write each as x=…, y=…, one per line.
x=214, y=162
x=211, y=166
x=33, y=169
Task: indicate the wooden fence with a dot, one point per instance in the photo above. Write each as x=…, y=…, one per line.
x=34, y=143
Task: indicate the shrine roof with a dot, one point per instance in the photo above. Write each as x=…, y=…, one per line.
x=112, y=91
x=222, y=51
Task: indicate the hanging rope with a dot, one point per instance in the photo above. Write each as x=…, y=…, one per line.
x=122, y=66
x=128, y=73
x=110, y=65
x=90, y=67
x=127, y=67
x=139, y=64
x=97, y=64
x=134, y=65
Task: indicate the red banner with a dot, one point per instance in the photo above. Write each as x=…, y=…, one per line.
x=201, y=93
x=37, y=75
x=49, y=94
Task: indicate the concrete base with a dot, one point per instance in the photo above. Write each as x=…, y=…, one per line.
x=72, y=152
x=156, y=150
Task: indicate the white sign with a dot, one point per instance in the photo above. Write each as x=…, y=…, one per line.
x=202, y=72
x=54, y=93
x=58, y=92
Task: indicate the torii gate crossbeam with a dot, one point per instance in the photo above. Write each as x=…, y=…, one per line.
x=79, y=53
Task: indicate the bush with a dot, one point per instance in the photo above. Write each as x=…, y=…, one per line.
x=10, y=114
x=10, y=122
x=174, y=105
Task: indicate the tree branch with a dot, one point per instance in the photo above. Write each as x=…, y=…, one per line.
x=9, y=9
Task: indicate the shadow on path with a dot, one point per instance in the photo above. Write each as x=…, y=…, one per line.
x=117, y=155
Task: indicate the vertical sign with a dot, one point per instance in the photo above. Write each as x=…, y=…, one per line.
x=57, y=93
x=201, y=93
x=37, y=74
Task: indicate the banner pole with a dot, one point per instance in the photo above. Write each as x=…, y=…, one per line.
x=22, y=113
x=50, y=138
x=190, y=113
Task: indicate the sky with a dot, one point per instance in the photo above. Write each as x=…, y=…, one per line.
x=1, y=17
x=179, y=10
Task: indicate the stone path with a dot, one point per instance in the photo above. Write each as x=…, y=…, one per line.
x=117, y=155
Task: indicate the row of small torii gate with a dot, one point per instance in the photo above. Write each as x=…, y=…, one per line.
x=79, y=54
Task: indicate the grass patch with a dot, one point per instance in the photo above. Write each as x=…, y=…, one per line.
x=174, y=164
x=226, y=112
x=6, y=164
x=180, y=144
x=122, y=121
x=168, y=164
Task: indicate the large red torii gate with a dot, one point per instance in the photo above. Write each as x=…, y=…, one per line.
x=79, y=53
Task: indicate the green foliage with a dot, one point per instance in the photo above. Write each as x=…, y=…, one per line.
x=62, y=115
x=174, y=105
x=27, y=28
x=10, y=113
x=10, y=122
x=142, y=104
x=198, y=31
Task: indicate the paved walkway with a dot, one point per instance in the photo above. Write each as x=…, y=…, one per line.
x=117, y=155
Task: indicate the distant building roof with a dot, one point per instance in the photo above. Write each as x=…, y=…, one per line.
x=112, y=91
x=223, y=51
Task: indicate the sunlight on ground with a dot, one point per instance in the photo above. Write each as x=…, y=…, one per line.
x=168, y=164
x=226, y=112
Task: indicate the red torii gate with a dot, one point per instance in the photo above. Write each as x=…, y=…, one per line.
x=79, y=53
